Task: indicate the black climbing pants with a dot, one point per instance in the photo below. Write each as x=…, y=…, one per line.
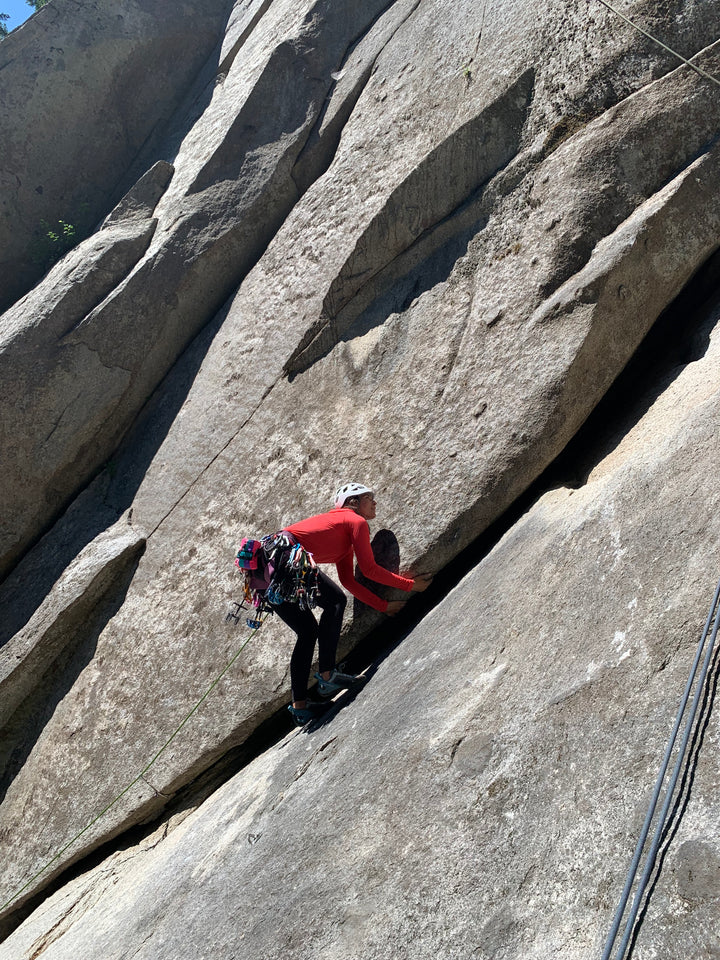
x=331, y=601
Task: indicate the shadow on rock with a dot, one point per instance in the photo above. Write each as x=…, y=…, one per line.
x=26, y=725
x=107, y=497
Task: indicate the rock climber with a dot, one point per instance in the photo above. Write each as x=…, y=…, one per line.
x=334, y=537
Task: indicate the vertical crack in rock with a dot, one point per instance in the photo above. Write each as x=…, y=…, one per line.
x=269, y=116
x=671, y=344
x=351, y=78
x=245, y=16
x=300, y=59
x=243, y=194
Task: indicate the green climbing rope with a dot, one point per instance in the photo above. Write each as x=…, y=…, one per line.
x=693, y=66
x=132, y=783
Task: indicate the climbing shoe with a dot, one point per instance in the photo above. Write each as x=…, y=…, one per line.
x=337, y=682
x=303, y=715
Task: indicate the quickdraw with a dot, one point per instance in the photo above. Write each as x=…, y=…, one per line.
x=276, y=570
x=294, y=577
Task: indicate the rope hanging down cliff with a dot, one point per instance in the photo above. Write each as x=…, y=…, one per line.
x=711, y=629
x=712, y=624
x=645, y=33
x=137, y=779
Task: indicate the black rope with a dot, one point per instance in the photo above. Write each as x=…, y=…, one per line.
x=711, y=629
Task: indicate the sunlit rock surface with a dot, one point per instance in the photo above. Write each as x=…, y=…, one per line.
x=407, y=244
x=483, y=794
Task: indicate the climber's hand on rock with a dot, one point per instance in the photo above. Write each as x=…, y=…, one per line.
x=422, y=582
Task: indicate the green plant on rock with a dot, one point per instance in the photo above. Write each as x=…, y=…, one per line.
x=53, y=242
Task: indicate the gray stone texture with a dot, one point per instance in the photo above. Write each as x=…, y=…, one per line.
x=412, y=244
x=84, y=87
x=233, y=185
x=483, y=794
x=50, y=437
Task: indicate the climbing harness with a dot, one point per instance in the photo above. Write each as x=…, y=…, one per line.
x=693, y=66
x=711, y=630
x=277, y=570
x=137, y=779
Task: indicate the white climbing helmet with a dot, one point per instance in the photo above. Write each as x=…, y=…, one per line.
x=350, y=490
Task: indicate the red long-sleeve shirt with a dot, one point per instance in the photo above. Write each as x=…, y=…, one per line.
x=333, y=537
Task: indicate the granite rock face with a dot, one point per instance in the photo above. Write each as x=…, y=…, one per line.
x=233, y=184
x=483, y=794
x=404, y=244
x=84, y=88
x=51, y=439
